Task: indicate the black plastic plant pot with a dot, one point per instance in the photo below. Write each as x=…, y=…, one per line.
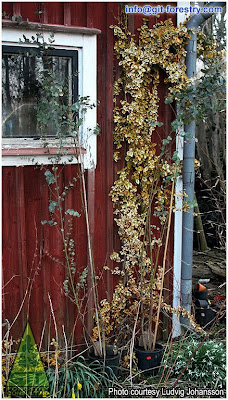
x=111, y=363
x=149, y=361
x=205, y=317
x=200, y=295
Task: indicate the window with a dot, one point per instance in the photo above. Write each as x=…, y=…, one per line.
x=22, y=87
x=73, y=58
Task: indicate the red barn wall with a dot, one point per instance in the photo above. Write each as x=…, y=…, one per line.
x=30, y=277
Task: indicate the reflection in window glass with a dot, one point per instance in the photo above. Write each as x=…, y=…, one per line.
x=22, y=92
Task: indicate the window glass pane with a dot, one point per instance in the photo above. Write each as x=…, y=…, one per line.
x=22, y=92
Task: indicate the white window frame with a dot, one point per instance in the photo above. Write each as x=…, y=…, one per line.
x=27, y=151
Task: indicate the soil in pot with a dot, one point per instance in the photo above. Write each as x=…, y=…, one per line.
x=149, y=361
x=111, y=363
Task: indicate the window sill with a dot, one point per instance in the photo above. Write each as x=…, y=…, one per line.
x=39, y=156
x=39, y=151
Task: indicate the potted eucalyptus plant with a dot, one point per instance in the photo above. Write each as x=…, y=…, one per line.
x=62, y=113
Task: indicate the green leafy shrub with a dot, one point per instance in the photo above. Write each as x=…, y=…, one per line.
x=207, y=366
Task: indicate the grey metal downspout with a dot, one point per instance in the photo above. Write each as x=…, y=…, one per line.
x=188, y=169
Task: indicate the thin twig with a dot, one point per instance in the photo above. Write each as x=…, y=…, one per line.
x=132, y=342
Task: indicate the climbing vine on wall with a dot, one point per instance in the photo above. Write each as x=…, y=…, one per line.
x=146, y=170
x=145, y=184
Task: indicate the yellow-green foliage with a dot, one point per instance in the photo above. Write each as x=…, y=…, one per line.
x=136, y=118
x=143, y=186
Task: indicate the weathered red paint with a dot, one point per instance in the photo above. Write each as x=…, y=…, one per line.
x=27, y=268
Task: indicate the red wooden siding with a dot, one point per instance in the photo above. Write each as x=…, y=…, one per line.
x=26, y=242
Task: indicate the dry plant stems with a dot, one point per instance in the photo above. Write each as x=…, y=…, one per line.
x=133, y=342
x=55, y=343
x=8, y=345
x=216, y=196
x=65, y=364
x=150, y=341
x=147, y=342
x=169, y=346
x=42, y=335
x=101, y=337
x=164, y=264
x=184, y=337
